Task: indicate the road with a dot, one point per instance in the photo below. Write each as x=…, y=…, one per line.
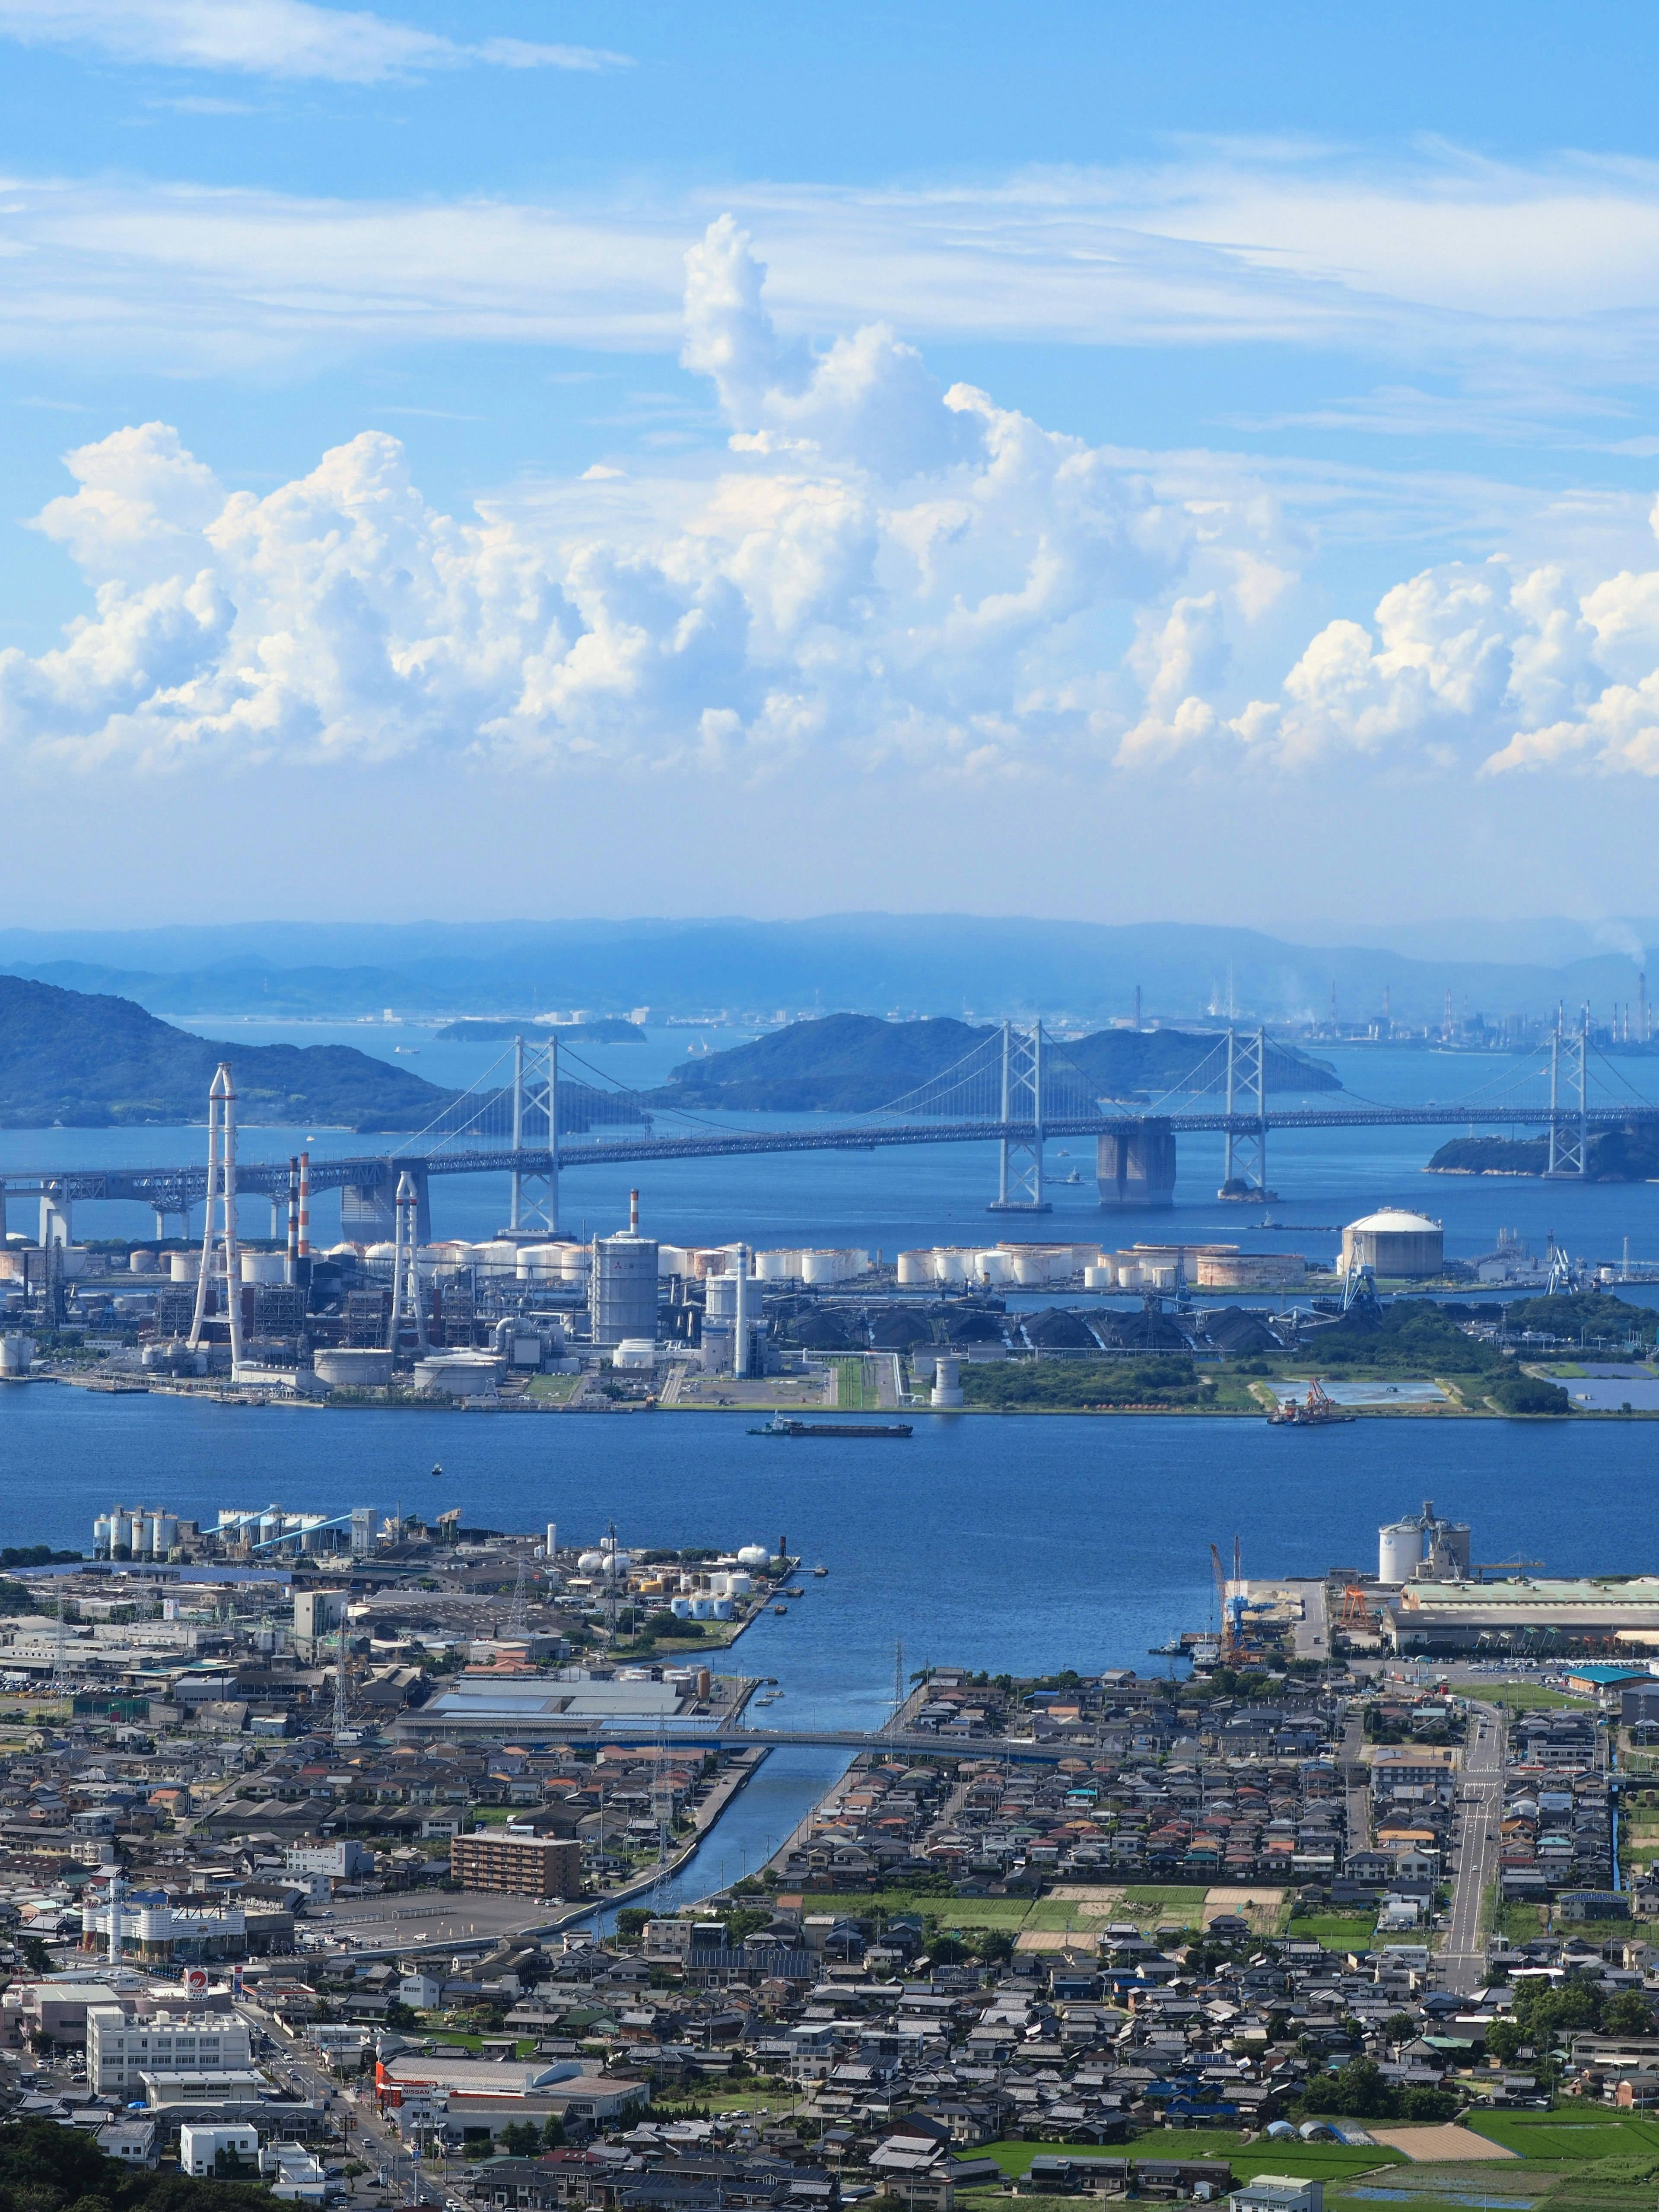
x=1462, y=1959
x=369, y=2141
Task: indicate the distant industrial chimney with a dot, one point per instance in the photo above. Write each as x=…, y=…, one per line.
x=633, y=1213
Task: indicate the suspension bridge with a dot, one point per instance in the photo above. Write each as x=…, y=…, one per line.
x=1018, y=1089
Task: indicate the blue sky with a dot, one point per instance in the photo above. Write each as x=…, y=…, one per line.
x=533, y=460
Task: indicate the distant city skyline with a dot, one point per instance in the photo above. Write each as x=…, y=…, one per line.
x=508, y=460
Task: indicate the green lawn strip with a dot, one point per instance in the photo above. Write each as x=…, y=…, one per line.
x=1336, y=1931
x=1007, y=1913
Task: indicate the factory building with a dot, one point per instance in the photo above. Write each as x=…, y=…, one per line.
x=621, y=1285
x=1395, y=1243
x=1422, y=1547
x=1463, y=1616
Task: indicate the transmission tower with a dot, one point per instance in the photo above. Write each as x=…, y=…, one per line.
x=518, y=1619
x=340, y=1722
x=407, y=1310
x=222, y=1191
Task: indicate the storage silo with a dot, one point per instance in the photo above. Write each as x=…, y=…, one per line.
x=622, y=1288
x=1398, y=1551
x=1395, y=1243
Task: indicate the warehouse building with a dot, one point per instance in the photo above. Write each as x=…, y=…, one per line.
x=518, y=1866
x=1458, y=1616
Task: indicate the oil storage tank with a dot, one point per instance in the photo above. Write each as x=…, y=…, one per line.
x=1395, y=1243
x=1398, y=1551
x=622, y=1287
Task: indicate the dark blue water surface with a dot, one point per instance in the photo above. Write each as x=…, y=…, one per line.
x=1025, y=1543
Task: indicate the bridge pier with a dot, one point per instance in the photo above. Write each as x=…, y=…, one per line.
x=369, y=1207
x=1135, y=1166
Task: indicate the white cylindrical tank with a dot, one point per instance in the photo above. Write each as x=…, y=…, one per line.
x=993, y=1267
x=141, y=1263
x=263, y=1267
x=949, y=1265
x=345, y=1370
x=16, y=1351
x=754, y=1555
x=947, y=1383
x=914, y=1268
x=1399, y=1550
x=776, y=1267
x=167, y=1533
x=823, y=1266
x=1099, y=1279
x=1030, y=1267
x=680, y=1607
x=183, y=1267
x=458, y=1374
x=500, y=1253
x=720, y=1301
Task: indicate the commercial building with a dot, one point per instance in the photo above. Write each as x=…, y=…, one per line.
x=119, y=2050
x=344, y=1860
x=1395, y=1243
x=199, y=2148
x=520, y=1866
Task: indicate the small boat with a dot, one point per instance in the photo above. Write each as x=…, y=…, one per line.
x=782, y=1426
x=820, y=1570
x=794, y=1591
x=779, y=1608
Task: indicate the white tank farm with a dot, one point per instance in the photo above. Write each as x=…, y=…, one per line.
x=994, y=1265
x=915, y=1268
x=460, y=1374
x=778, y=1267
x=183, y=1267
x=141, y=1263
x=345, y=1370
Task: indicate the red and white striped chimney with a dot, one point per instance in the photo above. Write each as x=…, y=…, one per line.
x=633, y=1213
x=305, y=1205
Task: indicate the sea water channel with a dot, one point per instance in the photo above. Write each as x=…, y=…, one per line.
x=1022, y=1543
x=1025, y=1543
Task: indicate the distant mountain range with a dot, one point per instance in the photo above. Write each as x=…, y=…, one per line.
x=969, y=967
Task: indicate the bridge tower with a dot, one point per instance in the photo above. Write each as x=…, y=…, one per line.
x=1019, y=1172
x=1569, y=1130
x=221, y=1194
x=535, y=1116
x=1246, y=1175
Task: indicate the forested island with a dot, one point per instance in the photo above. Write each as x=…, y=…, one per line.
x=1628, y=1155
x=855, y=1063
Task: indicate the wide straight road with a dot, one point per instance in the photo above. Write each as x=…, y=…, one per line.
x=1462, y=1959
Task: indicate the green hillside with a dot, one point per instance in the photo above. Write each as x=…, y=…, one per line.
x=853, y=1063
x=86, y=1061
x=1613, y=1156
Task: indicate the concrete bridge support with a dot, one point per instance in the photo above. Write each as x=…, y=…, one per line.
x=1135, y=1165
x=369, y=1207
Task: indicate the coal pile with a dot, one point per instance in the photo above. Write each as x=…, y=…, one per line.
x=1238, y=1332
x=1055, y=1329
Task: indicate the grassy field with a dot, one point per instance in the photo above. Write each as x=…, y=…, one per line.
x=856, y=1388
x=1522, y=1697
x=553, y=1389
x=1564, y=2139
x=1176, y=1903
x=1335, y=1930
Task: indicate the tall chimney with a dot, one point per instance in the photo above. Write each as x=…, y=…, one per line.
x=633, y=1213
x=292, y=1270
x=302, y=1237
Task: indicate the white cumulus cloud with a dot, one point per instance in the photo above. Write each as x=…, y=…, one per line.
x=881, y=568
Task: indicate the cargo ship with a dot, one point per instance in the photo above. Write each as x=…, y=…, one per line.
x=782, y=1424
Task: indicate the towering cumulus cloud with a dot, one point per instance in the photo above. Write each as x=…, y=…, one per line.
x=876, y=569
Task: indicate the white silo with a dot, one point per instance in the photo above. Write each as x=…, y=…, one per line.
x=1398, y=1551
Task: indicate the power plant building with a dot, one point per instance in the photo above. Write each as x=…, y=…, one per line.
x=1422, y=1547
x=1395, y=1243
